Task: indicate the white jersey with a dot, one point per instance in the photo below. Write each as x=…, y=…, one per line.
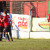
x=10, y=17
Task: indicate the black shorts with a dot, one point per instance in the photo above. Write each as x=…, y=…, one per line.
x=1, y=29
x=7, y=29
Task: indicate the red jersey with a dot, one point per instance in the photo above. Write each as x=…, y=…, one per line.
x=48, y=17
x=1, y=23
x=6, y=20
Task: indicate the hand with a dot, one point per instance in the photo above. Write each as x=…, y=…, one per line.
x=0, y=19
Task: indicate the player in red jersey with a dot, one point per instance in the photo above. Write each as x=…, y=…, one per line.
x=10, y=23
x=49, y=21
x=1, y=28
x=6, y=24
x=48, y=18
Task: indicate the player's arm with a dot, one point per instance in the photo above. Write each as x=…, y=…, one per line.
x=48, y=19
x=3, y=19
x=11, y=21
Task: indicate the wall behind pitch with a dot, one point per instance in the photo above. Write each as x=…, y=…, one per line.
x=48, y=7
x=40, y=8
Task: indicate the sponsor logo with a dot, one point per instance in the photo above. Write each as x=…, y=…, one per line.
x=23, y=22
x=44, y=25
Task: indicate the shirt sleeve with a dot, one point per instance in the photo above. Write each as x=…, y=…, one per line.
x=3, y=18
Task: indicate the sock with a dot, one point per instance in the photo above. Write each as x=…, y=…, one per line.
x=10, y=35
x=1, y=37
x=7, y=36
x=4, y=34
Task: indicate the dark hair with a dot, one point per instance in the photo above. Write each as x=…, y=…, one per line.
x=5, y=11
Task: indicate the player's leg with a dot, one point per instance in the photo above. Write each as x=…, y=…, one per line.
x=1, y=35
x=1, y=32
x=6, y=32
x=10, y=33
x=7, y=36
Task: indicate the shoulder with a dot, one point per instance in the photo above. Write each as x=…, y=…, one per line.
x=8, y=16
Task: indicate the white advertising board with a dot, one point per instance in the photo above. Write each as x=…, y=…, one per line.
x=21, y=22
x=40, y=24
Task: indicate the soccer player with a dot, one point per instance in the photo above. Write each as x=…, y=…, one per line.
x=1, y=28
x=10, y=20
x=49, y=21
x=6, y=24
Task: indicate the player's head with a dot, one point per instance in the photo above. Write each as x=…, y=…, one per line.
x=5, y=12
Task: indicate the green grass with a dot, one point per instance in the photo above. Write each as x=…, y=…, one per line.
x=26, y=44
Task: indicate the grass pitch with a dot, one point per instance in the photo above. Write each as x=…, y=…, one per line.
x=25, y=44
